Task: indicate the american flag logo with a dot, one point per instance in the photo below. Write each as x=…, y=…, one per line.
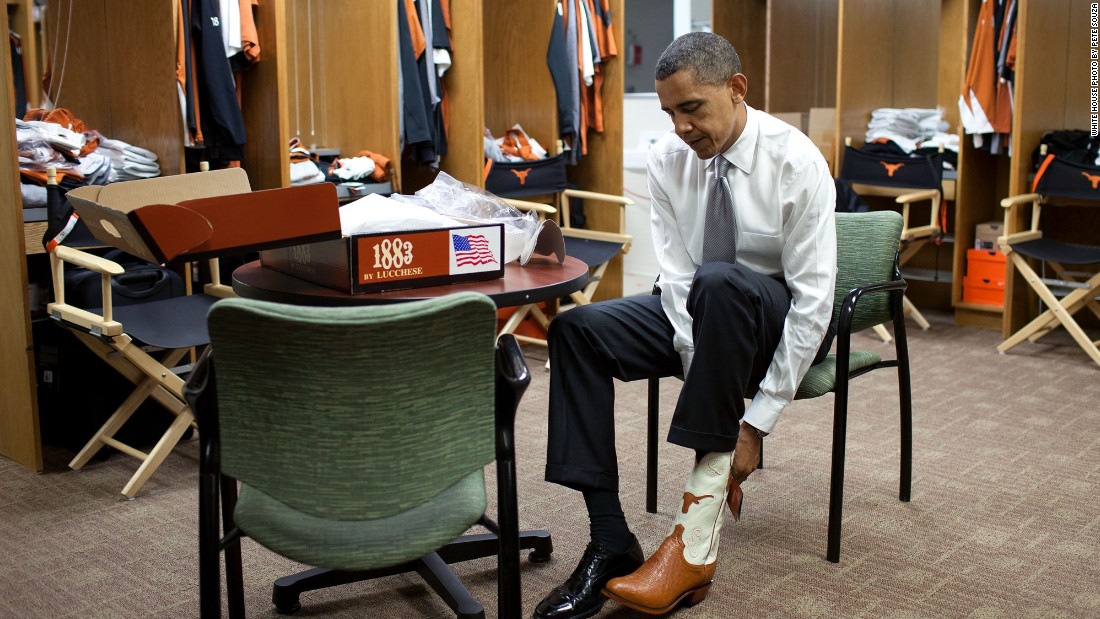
x=471, y=250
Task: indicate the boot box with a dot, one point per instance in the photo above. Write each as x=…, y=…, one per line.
x=205, y=215
x=386, y=261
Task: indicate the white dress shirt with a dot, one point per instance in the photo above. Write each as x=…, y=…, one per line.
x=785, y=198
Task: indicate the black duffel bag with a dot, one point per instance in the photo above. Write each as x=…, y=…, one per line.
x=142, y=282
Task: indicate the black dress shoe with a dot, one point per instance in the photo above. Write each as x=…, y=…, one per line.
x=580, y=595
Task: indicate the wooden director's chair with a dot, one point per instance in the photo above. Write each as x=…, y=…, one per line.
x=596, y=248
x=147, y=343
x=1058, y=183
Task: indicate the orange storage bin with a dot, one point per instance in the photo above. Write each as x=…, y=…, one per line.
x=984, y=290
x=986, y=264
x=985, y=277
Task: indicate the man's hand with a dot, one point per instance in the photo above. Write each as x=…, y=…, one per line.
x=746, y=455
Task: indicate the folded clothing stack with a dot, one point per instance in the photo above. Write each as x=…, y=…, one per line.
x=128, y=162
x=51, y=139
x=908, y=127
x=81, y=156
x=515, y=146
x=367, y=167
x=56, y=136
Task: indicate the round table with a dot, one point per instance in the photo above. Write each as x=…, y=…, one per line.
x=542, y=279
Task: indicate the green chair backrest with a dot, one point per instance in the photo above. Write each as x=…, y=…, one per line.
x=866, y=245
x=355, y=413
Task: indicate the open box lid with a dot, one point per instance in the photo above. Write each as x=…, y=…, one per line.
x=205, y=215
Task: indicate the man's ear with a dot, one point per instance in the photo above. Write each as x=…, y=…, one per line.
x=739, y=87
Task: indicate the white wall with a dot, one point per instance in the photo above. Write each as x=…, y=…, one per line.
x=649, y=25
x=643, y=123
x=652, y=24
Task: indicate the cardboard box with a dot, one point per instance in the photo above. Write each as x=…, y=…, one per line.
x=205, y=215
x=794, y=119
x=985, y=234
x=388, y=261
x=821, y=128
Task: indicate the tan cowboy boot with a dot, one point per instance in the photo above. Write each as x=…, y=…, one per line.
x=682, y=569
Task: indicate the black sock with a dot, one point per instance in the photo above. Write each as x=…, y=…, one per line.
x=607, y=523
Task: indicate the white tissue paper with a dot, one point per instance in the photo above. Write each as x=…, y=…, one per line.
x=472, y=205
x=449, y=203
x=377, y=213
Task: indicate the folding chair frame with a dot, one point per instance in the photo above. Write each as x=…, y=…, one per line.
x=1060, y=311
x=154, y=378
x=583, y=296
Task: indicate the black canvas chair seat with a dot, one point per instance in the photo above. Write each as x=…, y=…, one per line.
x=169, y=323
x=1058, y=183
x=592, y=252
x=1058, y=251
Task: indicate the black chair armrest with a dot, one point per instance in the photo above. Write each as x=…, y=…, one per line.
x=848, y=307
x=201, y=394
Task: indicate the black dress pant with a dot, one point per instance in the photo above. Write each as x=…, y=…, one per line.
x=737, y=320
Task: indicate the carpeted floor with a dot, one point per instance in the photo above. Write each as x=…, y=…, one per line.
x=1004, y=520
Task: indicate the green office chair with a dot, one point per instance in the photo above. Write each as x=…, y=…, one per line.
x=868, y=292
x=359, y=437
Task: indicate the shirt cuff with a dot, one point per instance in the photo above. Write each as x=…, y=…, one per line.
x=685, y=358
x=763, y=412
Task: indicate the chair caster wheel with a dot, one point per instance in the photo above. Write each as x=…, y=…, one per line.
x=288, y=610
x=538, y=557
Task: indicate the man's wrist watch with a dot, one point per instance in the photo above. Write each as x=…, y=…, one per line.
x=760, y=433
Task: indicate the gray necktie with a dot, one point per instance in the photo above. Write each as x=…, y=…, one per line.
x=720, y=234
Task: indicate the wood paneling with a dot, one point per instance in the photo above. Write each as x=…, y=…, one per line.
x=518, y=86
x=19, y=435
x=21, y=22
x=743, y=23
x=264, y=102
x=801, y=55
x=1050, y=65
x=141, y=91
x=465, y=86
x=866, y=32
x=341, y=89
x=104, y=70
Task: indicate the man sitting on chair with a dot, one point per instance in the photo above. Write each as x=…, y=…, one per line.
x=744, y=233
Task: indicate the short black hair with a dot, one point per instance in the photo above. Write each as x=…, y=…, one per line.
x=710, y=57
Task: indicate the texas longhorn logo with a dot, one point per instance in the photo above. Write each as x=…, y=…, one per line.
x=1093, y=178
x=521, y=175
x=891, y=168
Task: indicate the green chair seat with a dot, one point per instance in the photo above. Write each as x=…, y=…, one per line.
x=361, y=544
x=821, y=378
